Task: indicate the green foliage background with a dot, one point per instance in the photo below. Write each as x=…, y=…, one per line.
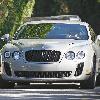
x=14, y=12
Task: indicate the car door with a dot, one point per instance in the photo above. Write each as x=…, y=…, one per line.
x=98, y=50
x=96, y=46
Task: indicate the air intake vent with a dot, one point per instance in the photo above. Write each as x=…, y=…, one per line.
x=33, y=74
x=7, y=68
x=79, y=69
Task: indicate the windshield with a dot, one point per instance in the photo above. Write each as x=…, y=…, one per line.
x=52, y=31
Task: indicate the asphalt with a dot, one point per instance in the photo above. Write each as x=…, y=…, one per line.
x=50, y=92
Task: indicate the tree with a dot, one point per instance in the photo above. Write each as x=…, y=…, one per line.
x=17, y=11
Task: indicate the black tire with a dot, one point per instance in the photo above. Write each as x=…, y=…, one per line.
x=6, y=84
x=88, y=84
x=91, y=82
x=98, y=80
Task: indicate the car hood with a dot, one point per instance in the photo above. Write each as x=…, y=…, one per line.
x=48, y=44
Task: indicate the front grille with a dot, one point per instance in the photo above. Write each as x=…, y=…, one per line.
x=42, y=56
x=33, y=74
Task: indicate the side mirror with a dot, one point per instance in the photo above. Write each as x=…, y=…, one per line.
x=98, y=40
x=98, y=37
x=5, y=38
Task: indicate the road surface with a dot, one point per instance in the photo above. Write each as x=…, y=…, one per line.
x=42, y=92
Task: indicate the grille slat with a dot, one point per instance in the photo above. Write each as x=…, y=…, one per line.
x=33, y=74
x=42, y=55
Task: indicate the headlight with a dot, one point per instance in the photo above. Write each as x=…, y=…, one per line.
x=70, y=55
x=80, y=55
x=16, y=55
x=7, y=54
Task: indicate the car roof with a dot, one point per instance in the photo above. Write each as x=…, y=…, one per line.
x=60, y=17
x=67, y=19
x=56, y=21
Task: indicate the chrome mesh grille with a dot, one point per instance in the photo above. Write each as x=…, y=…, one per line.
x=42, y=55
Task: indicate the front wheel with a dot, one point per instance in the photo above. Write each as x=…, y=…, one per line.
x=98, y=80
x=6, y=84
x=88, y=84
x=91, y=82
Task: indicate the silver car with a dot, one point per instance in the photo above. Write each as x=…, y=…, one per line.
x=51, y=51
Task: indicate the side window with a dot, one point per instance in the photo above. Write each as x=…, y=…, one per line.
x=92, y=33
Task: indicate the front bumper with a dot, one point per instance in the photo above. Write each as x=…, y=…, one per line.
x=65, y=75
x=43, y=80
